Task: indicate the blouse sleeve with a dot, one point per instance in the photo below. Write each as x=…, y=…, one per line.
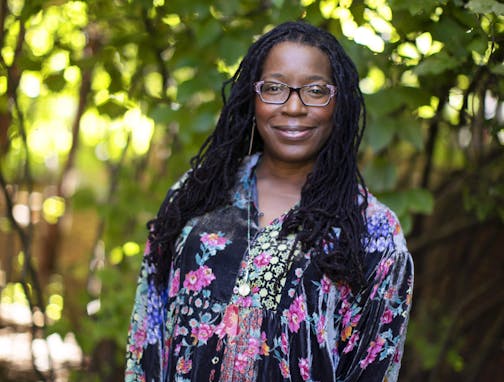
x=145, y=334
x=374, y=322
x=145, y=347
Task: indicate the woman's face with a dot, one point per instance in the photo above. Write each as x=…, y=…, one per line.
x=292, y=132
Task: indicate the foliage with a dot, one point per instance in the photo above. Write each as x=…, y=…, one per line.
x=104, y=102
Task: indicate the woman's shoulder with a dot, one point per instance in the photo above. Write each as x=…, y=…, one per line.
x=385, y=246
x=383, y=227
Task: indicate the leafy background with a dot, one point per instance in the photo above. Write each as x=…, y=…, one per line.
x=102, y=103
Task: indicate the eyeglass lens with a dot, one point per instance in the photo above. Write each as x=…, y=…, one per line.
x=315, y=94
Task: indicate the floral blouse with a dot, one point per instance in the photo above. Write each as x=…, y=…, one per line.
x=238, y=311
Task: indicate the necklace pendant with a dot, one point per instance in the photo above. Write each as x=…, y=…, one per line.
x=244, y=289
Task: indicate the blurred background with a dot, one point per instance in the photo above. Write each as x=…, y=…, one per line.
x=103, y=102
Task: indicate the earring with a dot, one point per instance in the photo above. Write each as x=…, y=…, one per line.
x=252, y=136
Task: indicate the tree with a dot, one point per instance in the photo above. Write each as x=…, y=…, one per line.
x=103, y=103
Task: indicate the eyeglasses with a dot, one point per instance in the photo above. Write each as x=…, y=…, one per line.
x=310, y=95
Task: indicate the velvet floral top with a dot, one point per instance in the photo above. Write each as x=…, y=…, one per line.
x=234, y=311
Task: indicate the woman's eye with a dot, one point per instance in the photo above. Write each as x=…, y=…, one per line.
x=316, y=90
x=272, y=88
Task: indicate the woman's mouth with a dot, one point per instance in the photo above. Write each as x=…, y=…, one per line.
x=293, y=132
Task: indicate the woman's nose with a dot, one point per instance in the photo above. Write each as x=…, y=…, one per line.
x=294, y=104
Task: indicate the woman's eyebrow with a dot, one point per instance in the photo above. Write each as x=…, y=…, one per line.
x=314, y=77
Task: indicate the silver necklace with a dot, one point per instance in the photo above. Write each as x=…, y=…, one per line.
x=244, y=285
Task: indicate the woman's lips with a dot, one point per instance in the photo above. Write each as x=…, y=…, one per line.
x=293, y=132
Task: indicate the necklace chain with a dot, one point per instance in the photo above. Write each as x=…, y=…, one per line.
x=244, y=287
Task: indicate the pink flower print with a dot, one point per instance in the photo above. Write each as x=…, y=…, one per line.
x=304, y=368
x=245, y=302
x=253, y=347
x=393, y=222
x=176, y=351
x=202, y=333
x=206, y=275
x=214, y=241
x=321, y=330
x=192, y=282
x=284, y=368
x=241, y=362
x=397, y=356
x=175, y=284
x=351, y=342
x=265, y=349
x=197, y=280
x=387, y=316
x=326, y=284
x=346, y=312
x=229, y=323
x=262, y=259
x=373, y=292
x=139, y=337
x=349, y=320
x=344, y=291
x=389, y=293
x=298, y=272
x=296, y=314
x=373, y=350
x=383, y=268
x=284, y=343
x=184, y=366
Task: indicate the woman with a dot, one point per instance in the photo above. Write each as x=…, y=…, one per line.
x=270, y=261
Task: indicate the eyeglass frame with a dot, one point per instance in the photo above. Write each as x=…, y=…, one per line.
x=258, y=84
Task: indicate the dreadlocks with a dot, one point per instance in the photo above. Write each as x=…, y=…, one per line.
x=330, y=197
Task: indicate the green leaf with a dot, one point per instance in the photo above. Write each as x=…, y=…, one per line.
x=415, y=7
x=207, y=32
x=380, y=175
x=395, y=200
x=55, y=82
x=232, y=48
x=420, y=200
x=383, y=102
x=410, y=130
x=436, y=64
x=83, y=199
x=112, y=109
x=453, y=35
x=497, y=69
x=204, y=122
x=406, y=223
x=379, y=133
x=161, y=114
x=486, y=6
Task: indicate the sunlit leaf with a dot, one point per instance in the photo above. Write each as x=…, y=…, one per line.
x=436, y=64
x=486, y=6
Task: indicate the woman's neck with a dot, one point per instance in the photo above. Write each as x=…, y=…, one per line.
x=290, y=175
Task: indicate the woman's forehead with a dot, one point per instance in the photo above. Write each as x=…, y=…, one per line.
x=293, y=59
